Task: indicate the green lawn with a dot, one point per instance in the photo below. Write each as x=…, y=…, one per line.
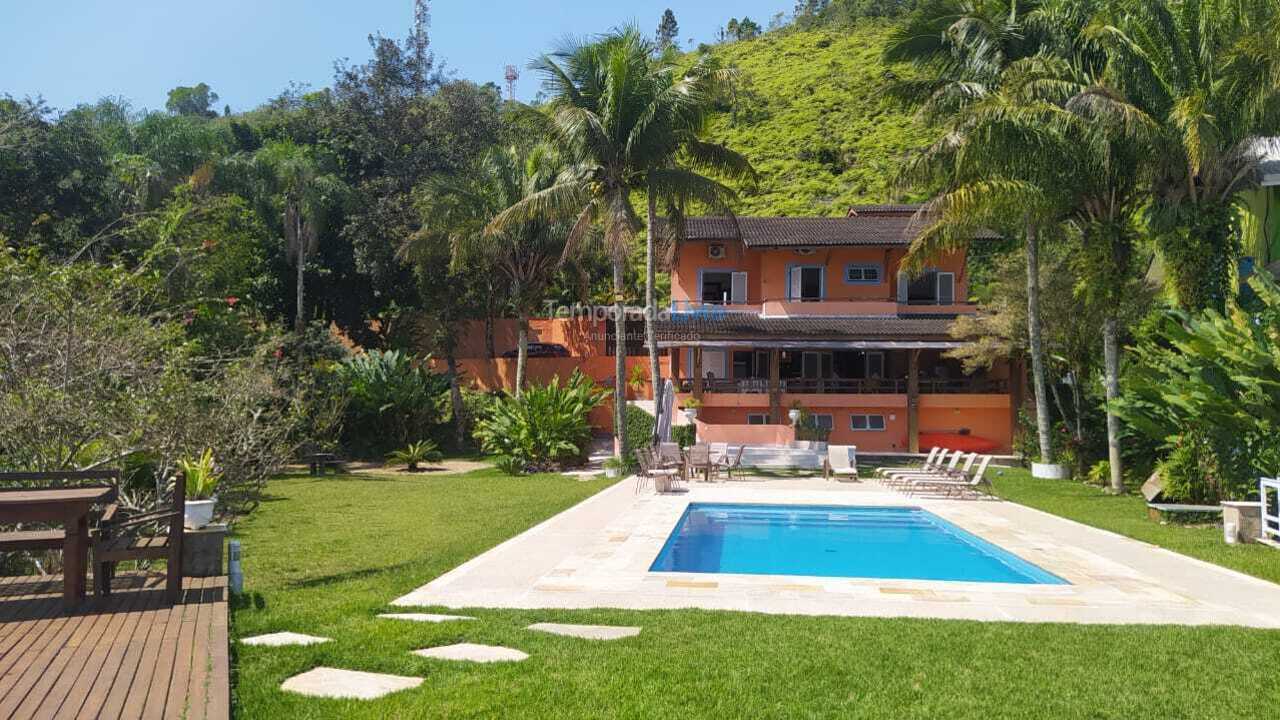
x=1127, y=515
x=323, y=556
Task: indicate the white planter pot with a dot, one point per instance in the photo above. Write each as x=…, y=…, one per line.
x=198, y=513
x=690, y=414
x=794, y=415
x=1047, y=471
x=611, y=472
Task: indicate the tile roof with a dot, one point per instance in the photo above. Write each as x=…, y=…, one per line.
x=867, y=225
x=715, y=325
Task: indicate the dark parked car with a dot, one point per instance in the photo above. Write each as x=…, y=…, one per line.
x=537, y=349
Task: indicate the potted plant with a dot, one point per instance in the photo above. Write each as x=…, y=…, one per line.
x=614, y=467
x=691, y=409
x=415, y=454
x=202, y=482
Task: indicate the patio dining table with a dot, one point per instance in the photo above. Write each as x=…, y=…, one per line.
x=69, y=506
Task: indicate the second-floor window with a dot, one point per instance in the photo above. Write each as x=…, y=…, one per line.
x=724, y=287
x=806, y=283
x=931, y=287
x=863, y=274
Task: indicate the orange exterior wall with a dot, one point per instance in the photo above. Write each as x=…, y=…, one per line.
x=584, y=337
x=767, y=274
x=984, y=416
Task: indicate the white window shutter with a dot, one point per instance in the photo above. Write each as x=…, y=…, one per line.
x=904, y=286
x=946, y=288
x=739, y=284
x=797, y=284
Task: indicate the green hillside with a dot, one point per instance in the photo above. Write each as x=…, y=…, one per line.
x=814, y=120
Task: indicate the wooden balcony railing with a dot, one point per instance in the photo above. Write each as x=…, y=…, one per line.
x=846, y=386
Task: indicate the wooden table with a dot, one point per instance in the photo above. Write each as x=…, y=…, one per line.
x=69, y=506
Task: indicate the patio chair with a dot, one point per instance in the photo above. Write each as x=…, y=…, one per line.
x=668, y=455
x=664, y=479
x=841, y=462
x=698, y=458
x=934, y=456
x=952, y=472
x=122, y=539
x=964, y=485
x=949, y=469
x=719, y=451
x=733, y=464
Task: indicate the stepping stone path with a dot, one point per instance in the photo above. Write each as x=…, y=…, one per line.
x=471, y=652
x=424, y=617
x=329, y=682
x=281, y=639
x=587, y=632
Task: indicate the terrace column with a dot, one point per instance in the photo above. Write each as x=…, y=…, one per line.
x=697, y=373
x=913, y=401
x=775, y=386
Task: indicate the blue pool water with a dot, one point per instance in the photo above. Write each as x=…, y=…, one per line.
x=902, y=543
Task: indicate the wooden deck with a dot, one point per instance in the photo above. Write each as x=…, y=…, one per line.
x=130, y=655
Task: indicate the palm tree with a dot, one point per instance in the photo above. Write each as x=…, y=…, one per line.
x=457, y=208
x=621, y=120
x=1100, y=143
x=1209, y=72
x=962, y=49
x=295, y=174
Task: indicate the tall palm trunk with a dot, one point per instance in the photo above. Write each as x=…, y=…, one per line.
x=300, y=259
x=619, y=363
x=522, y=353
x=1037, y=344
x=460, y=419
x=1111, y=358
x=651, y=314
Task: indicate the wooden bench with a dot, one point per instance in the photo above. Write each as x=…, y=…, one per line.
x=1157, y=511
x=32, y=540
x=318, y=463
x=119, y=540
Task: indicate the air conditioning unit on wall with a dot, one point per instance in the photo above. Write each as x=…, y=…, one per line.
x=715, y=251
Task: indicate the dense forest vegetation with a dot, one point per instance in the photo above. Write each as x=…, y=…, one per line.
x=226, y=245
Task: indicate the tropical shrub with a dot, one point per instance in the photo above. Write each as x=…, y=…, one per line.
x=392, y=398
x=202, y=475
x=415, y=454
x=1208, y=387
x=544, y=429
x=639, y=435
x=684, y=435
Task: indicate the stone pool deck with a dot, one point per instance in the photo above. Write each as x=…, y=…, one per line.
x=598, y=553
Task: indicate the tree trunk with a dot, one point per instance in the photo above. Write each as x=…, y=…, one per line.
x=620, y=363
x=651, y=315
x=300, y=324
x=489, y=345
x=1111, y=358
x=1037, y=345
x=460, y=419
x=522, y=353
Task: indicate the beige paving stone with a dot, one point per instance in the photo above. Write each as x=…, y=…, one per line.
x=1113, y=579
x=471, y=652
x=424, y=617
x=587, y=632
x=282, y=639
x=329, y=682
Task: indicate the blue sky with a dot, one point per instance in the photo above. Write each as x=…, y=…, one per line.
x=74, y=51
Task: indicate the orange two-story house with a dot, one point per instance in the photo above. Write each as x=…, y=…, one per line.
x=771, y=314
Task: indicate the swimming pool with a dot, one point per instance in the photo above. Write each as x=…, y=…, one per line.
x=901, y=543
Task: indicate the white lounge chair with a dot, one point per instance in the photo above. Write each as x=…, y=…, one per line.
x=928, y=463
x=961, y=485
x=841, y=462
x=901, y=478
x=952, y=472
